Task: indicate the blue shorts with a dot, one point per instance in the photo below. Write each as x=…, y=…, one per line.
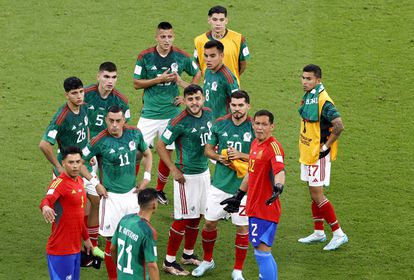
x=261, y=231
x=64, y=267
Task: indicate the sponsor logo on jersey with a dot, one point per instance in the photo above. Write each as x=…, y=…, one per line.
x=121, y=148
x=225, y=134
x=174, y=67
x=247, y=137
x=154, y=68
x=214, y=86
x=52, y=134
x=112, y=151
x=91, y=107
x=194, y=130
x=74, y=127
x=132, y=145
x=315, y=180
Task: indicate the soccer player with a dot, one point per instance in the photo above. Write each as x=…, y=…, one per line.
x=63, y=207
x=190, y=130
x=232, y=133
x=99, y=98
x=219, y=82
x=264, y=181
x=156, y=72
x=69, y=126
x=321, y=125
x=134, y=244
x=116, y=149
x=236, y=52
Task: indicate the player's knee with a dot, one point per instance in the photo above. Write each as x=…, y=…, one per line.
x=210, y=225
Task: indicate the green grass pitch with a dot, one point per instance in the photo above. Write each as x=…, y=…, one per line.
x=365, y=49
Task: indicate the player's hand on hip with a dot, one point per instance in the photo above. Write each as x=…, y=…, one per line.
x=233, y=203
x=48, y=214
x=88, y=246
x=277, y=191
x=100, y=189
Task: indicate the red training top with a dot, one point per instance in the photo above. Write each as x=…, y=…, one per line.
x=265, y=161
x=67, y=197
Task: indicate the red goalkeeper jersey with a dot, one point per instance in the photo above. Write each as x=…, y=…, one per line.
x=265, y=161
x=67, y=197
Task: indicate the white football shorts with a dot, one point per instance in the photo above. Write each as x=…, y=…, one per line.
x=151, y=128
x=215, y=211
x=113, y=208
x=190, y=197
x=318, y=174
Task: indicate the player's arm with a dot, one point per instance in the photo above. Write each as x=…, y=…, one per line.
x=337, y=128
x=242, y=66
x=244, y=55
x=196, y=79
x=87, y=154
x=235, y=154
x=209, y=151
x=46, y=205
x=165, y=77
x=47, y=149
x=164, y=156
x=278, y=171
x=114, y=252
x=153, y=271
x=147, y=163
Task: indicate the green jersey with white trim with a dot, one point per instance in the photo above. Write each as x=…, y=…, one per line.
x=159, y=99
x=68, y=129
x=225, y=133
x=116, y=157
x=98, y=107
x=218, y=87
x=190, y=135
x=136, y=241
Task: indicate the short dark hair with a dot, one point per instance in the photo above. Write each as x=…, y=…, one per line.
x=217, y=10
x=165, y=25
x=146, y=196
x=114, y=109
x=72, y=83
x=107, y=66
x=313, y=69
x=70, y=150
x=214, y=44
x=241, y=94
x=192, y=89
x=264, y=113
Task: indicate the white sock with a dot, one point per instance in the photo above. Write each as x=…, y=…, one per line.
x=188, y=252
x=338, y=233
x=169, y=258
x=319, y=232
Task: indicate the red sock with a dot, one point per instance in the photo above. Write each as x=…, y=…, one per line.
x=191, y=232
x=137, y=168
x=93, y=234
x=163, y=173
x=317, y=217
x=328, y=213
x=242, y=244
x=177, y=230
x=208, y=240
x=109, y=262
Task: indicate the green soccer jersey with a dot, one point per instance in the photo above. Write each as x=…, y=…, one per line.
x=225, y=133
x=136, y=241
x=98, y=107
x=218, y=87
x=68, y=129
x=190, y=135
x=159, y=99
x=116, y=158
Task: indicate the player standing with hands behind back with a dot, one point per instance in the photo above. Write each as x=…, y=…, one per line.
x=264, y=181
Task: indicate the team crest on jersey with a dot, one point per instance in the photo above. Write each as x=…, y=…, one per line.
x=247, y=137
x=132, y=145
x=174, y=67
x=214, y=86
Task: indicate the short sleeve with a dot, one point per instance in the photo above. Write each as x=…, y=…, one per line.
x=213, y=138
x=140, y=72
x=190, y=67
x=277, y=158
x=171, y=133
x=127, y=112
x=150, y=249
x=329, y=111
x=141, y=145
x=232, y=87
x=244, y=50
x=52, y=132
x=89, y=152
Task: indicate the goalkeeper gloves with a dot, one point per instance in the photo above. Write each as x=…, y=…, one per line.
x=277, y=190
x=233, y=203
